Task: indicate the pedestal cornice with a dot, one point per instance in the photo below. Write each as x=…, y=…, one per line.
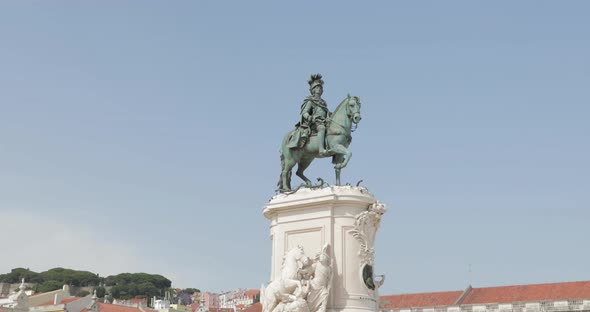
x=317, y=197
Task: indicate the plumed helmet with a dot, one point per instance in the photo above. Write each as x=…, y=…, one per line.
x=314, y=81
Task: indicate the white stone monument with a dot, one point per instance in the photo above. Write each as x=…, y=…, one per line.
x=322, y=250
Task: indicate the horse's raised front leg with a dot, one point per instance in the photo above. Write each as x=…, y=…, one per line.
x=345, y=155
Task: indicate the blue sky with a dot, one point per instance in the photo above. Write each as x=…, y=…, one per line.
x=144, y=136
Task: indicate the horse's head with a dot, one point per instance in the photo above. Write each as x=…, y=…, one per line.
x=295, y=253
x=290, y=262
x=353, y=108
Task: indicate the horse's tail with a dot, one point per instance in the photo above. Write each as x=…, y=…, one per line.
x=286, y=159
x=280, y=183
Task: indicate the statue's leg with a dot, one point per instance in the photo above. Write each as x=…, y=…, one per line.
x=338, y=176
x=322, y=140
x=303, y=164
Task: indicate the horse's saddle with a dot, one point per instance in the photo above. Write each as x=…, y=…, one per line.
x=302, y=135
x=299, y=137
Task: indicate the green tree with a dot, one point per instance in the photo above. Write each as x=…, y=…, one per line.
x=119, y=292
x=48, y=286
x=83, y=293
x=128, y=285
x=17, y=274
x=69, y=276
x=191, y=290
x=125, y=285
x=100, y=291
x=147, y=289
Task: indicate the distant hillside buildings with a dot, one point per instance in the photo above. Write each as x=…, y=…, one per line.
x=551, y=297
x=238, y=300
x=62, y=301
x=230, y=301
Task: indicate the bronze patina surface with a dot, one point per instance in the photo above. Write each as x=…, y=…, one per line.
x=319, y=134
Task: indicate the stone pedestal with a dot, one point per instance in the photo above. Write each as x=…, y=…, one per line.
x=346, y=218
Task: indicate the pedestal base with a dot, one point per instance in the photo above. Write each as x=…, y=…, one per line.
x=346, y=218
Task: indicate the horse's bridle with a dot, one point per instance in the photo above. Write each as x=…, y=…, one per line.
x=350, y=116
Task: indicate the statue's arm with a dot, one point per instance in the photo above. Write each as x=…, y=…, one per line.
x=306, y=110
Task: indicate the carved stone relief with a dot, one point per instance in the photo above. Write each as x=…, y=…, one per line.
x=365, y=228
x=303, y=286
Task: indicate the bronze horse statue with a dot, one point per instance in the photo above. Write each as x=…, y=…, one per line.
x=338, y=138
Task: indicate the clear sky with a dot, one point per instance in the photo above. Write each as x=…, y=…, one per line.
x=144, y=136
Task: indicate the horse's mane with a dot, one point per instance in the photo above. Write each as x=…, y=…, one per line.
x=341, y=105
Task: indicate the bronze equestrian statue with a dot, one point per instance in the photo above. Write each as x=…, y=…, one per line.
x=319, y=134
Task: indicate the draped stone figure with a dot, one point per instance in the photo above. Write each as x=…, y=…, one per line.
x=321, y=282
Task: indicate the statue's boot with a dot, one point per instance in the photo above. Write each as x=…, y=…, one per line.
x=322, y=151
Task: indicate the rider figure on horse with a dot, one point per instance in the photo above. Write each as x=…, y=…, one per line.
x=314, y=117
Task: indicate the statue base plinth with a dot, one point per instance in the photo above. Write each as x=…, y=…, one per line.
x=341, y=216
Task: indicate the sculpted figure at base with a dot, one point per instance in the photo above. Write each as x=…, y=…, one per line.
x=283, y=288
x=304, y=285
x=296, y=303
x=320, y=284
x=319, y=134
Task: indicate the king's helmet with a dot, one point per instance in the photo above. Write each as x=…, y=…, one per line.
x=314, y=81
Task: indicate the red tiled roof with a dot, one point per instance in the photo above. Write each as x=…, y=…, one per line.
x=251, y=293
x=257, y=307
x=107, y=307
x=420, y=300
x=500, y=294
x=535, y=292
